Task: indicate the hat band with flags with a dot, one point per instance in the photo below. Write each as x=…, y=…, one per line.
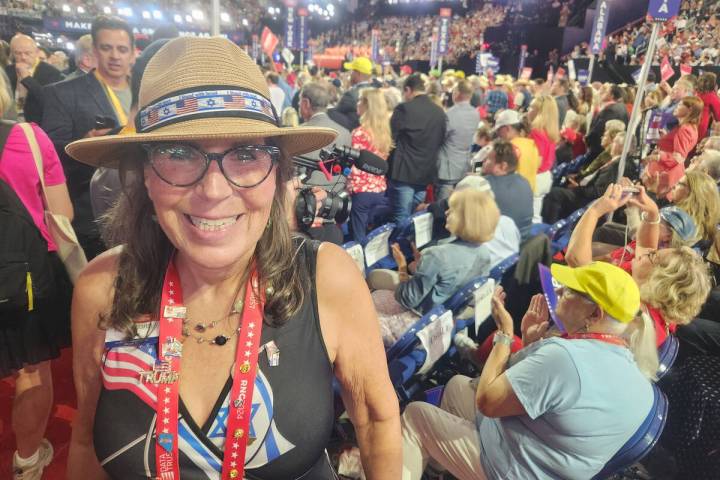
x=211, y=101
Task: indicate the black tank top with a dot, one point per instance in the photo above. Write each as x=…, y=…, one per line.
x=292, y=409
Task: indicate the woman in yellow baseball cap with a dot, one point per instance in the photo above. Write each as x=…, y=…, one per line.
x=559, y=408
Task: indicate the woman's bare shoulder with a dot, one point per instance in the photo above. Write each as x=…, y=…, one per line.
x=94, y=286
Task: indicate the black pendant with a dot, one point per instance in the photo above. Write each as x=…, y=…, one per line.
x=200, y=328
x=221, y=340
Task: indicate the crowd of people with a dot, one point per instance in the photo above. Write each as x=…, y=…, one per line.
x=691, y=39
x=216, y=274
x=408, y=38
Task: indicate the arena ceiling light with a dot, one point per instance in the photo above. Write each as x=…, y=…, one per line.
x=225, y=17
x=157, y=14
x=146, y=15
x=107, y=10
x=198, y=14
x=188, y=18
x=66, y=8
x=178, y=18
x=245, y=22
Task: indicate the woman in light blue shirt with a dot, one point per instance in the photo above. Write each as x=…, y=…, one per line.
x=559, y=408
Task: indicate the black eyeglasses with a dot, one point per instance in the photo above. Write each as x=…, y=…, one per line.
x=183, y=165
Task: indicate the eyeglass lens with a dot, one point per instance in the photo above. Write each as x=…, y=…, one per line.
x=185, y=165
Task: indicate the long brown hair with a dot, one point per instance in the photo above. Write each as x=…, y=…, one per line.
x=147, y=251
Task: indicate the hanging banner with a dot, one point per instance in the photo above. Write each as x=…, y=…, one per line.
x=375, y=45
x=602, y=13
x=663, y=10
x=444, y=31
x=302, y=28
x=478, y=63
x=290, y=27
x=434, y=50
x=523, y=56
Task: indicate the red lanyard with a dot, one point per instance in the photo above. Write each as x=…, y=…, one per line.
x=602, y=337
x=166, y=374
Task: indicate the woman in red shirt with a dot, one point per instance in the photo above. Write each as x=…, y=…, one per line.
x=667, y=166
x=373, y=134
x=544, y=130
x=707, y=92
x=674, y=282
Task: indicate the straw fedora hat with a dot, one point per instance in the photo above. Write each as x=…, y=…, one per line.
x=200, y=89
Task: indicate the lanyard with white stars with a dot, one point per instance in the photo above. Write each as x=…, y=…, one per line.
x=166, y=374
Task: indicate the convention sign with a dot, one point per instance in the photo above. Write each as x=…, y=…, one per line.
x=302, y=28
x=523, y=56
x=67, y=25
x=583, y=77
x=666, y=70
x=663, y=10
x=602, y=13
x=375, y=45
x=434, y=50
x=290, y=27
x=444, y=33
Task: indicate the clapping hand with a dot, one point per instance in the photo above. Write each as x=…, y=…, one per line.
x=536, y=322
x=503, y=320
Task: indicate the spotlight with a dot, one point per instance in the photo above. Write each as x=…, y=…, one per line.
x=197, y=15
x=245, y=22
x=178, y=18
x=225, y=17
x=107, y=10
x=145, y=14
x=157, y=14
x=66, y=8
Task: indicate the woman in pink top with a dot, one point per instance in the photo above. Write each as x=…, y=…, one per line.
x=666, y=167
x=32, y=339
x=544, y=120
x=707, y=92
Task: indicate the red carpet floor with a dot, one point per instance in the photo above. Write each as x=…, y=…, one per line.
x=59, y=426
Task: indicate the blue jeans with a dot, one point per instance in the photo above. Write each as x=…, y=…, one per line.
x=364, y=205
x=404, y=197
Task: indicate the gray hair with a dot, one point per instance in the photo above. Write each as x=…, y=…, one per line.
x=317, y=94
x=83, y=46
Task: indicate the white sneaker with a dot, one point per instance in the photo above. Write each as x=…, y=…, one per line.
x=34, y=472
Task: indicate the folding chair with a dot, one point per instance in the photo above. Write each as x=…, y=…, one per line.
x=376, y=248
x=642, y=441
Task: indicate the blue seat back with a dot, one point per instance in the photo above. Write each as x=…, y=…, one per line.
x=500, y=270
x=561, y=231
x=464, y=296
x=379, y=238
x=667, y=353
x=408, y=341
x=642, y=441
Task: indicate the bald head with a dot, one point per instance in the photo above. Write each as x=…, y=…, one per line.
x=24, y=49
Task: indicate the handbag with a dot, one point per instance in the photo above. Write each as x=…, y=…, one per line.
x=59, y=226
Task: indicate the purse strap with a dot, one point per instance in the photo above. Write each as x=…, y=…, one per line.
x=37, y=156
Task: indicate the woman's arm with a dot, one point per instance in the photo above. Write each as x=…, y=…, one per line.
x=91, y=297
x=352, y=336
x=59, y=200
x=579, y=251
x=648, y=233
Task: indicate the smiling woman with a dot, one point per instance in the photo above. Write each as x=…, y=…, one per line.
x=209, y=276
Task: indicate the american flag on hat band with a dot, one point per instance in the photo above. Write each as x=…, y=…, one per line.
x=205, y=103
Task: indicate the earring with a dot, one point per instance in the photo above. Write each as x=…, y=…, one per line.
x=269, y=224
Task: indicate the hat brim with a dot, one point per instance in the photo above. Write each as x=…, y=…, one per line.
x=109, y=151
x=565, y=276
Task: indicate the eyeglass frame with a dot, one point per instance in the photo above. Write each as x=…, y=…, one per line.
x=210, y=157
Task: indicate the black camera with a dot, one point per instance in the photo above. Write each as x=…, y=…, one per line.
x=337, y=161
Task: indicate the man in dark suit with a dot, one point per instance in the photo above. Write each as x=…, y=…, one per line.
x=73, y=107
x=614, y=110
x=345, y=113
x=418, y=129
x=27, y=76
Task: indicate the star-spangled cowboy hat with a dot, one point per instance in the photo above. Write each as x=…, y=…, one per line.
x=200, y=89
